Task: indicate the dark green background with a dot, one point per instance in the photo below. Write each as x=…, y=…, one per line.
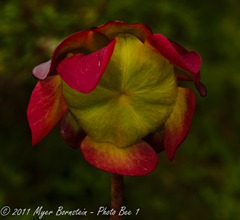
x=203, y=182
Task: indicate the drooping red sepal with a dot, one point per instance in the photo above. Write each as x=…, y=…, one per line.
x=188, y=62
x=113, y=28
x=84, y=42
x=176, y=54
x=191, y=59
x=46, y=107
x=70, y=130
x=137, y=160
x=178, y=124
x=83, y=73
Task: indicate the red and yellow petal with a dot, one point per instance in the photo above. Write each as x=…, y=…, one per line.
x=137, y=160
x=46, y=107
x=178, y=124
x=172, y=134
x=188, y=62
x=113, y=28
x=83, y=73
x=70, y=130
x=84, y=42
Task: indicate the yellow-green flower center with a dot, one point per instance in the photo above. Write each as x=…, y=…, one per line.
x=135, y=96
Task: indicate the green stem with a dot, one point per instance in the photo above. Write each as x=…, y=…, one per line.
x=116, y=195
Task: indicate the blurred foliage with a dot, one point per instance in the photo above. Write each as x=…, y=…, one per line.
x=203, y=182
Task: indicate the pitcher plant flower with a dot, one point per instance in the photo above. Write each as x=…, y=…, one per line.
x=115, y=92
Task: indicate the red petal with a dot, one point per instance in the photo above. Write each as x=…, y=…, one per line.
x=137, y=160
x=83, y=73
x=178, y=124
x=113, y=28
x=85, y=42
x=45, y=108
x=189, y=61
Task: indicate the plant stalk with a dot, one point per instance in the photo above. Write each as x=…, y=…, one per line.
x=116, y=195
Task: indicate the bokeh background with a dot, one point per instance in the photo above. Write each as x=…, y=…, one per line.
x=203, y=182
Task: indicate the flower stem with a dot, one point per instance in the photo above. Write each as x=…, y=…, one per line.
x=116, y=195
